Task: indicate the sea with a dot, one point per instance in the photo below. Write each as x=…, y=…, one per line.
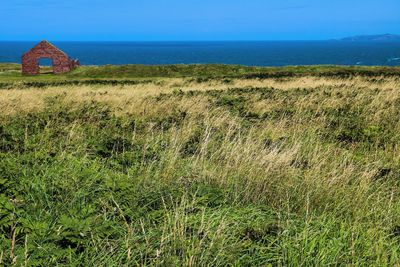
x=260, y=53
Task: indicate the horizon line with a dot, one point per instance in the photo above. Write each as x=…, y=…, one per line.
x=227, y=40
x=200, y=40
x=171, y=41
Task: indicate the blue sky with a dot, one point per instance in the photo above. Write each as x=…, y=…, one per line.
x=62, y=20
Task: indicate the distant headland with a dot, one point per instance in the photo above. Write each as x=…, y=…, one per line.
x=373, y=38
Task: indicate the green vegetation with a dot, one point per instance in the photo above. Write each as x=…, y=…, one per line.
x=11, y=72
x=242, y=171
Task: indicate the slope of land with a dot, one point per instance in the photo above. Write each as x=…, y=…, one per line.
x=295, y=166
x=374, y=38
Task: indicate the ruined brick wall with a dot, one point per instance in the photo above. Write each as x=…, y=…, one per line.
x=61, y=62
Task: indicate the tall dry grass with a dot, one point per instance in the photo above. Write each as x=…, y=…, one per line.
x=300, y=171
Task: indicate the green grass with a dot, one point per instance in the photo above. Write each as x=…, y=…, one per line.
x=247, y=176
x=11, y=72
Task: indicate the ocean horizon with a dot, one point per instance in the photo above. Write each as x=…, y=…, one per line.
x=248, y=53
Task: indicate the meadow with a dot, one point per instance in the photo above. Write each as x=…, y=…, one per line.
x=200, y=166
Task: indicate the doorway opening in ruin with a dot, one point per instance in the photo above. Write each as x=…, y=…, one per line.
x=46, y=65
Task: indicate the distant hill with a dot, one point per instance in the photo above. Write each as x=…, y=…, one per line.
x=378, y=37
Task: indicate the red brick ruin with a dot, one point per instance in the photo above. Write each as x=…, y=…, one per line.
x=61, y=62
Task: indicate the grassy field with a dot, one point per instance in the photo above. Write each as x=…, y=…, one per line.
x=200, y=166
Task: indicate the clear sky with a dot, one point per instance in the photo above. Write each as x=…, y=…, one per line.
x=132, y=20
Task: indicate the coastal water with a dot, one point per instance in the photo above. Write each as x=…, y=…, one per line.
x=269, y=53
